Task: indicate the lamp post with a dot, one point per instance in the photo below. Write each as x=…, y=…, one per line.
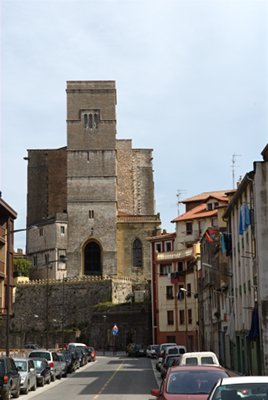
x=8, y=277
x=61, y=259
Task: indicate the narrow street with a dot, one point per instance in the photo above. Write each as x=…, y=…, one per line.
x=109, y=377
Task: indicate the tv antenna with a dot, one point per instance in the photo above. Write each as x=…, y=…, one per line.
x=234, y=156
x=179, y=193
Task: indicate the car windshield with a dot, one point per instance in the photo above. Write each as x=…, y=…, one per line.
x=2, y=366
x=37, y=364
x=193, y=382
x=242, y=390
x=21, y=365
x=42, y=354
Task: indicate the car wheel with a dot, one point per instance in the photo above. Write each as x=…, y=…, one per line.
x=49, y=380
x=16, y=394
x=42, y=382
x=7, y=395
x=60, y=375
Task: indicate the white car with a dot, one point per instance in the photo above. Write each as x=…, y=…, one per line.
x=152, y=351
x=240, y=387
x=199, y=358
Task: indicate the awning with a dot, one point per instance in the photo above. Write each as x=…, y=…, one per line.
x=254, y=330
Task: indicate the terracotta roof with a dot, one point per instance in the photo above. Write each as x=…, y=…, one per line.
x=219, y=195
x=196, y=212
x=162, y=236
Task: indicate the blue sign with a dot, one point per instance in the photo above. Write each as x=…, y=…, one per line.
x=115, y=330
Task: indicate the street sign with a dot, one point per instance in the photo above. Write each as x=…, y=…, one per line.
x=115, y=330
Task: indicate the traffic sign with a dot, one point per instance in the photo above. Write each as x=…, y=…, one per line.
x=115, y=330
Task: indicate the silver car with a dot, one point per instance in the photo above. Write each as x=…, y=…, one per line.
x=27, y=373
x=52, y=359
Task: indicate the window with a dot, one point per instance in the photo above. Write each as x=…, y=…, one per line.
x=35, y=261
x=165, y=269
x=168, y=246
x=181, y=292
x=182, y=317
x=180, y=266
x=158, y=247
x=62, y=230
x=190, y=317
x=41, y=231
x=137, y=253
x=169, y=292
x=189, y=228
x=170, y=317
x=189, y=290
x=91, y=120
x=91, y=214
x=46, y=259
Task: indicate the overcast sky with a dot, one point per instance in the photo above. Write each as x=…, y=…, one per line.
x=191, y=79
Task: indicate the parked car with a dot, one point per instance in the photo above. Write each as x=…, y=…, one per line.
x=152, y=350
x=168, y=349
x=27, y=373
x=199, y=358
x=9, y=378
x=32, y=346
x=191, y=382
x=52, y=359
x=43, y=373
x=72, y=360
x=169, y=361
x=235, y=388
x=93, y=353
x=81, y=356
x=63, y=362
x=136, y=350
x=163, y=346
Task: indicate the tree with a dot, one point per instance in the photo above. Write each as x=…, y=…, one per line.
x=22, y=266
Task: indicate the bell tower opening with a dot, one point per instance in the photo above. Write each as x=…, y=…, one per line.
x=92, y=259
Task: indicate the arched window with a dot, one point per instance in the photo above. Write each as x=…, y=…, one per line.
x=92, y=259
x=137, y=253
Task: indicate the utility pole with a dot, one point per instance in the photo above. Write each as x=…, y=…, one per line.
x=234, y=156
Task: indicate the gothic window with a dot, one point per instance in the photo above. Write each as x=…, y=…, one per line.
x=91, y=214
x=91, y=120
x=137, y=253
x=85, y=120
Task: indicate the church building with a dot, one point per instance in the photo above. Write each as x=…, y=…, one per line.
x=90, y=204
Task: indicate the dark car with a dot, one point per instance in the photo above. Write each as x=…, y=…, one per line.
x=81, y=356
x=136, y=350
x=63, y=362
x=72, y=360
x=9, y=378
x=169, y=361
x=42, y=368
x=32, y=346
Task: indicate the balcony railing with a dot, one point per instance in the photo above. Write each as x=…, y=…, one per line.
x=174, y=255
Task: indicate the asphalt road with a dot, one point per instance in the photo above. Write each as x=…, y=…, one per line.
x=109, y=377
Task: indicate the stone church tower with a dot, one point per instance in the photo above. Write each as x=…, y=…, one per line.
x=93, y=200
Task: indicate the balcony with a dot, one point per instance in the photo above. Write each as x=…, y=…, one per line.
x=174, y=255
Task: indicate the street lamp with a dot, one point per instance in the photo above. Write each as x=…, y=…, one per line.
x=8, y=273
x=63, y=259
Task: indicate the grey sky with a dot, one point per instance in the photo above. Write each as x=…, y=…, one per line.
x=191, y=80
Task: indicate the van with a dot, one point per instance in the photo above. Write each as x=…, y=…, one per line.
x=199, y=358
